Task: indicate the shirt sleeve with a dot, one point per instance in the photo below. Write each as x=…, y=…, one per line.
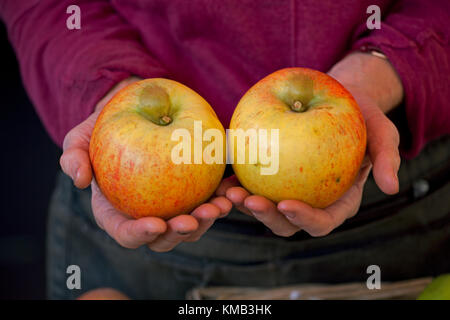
x=66, y=72
x=415, y=38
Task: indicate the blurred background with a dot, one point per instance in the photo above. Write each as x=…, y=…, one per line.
x=29, y=162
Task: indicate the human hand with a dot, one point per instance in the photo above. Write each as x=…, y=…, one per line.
x=377, y=89
x=157, y=234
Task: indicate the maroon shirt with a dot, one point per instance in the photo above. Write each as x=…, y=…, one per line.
x=221, y=48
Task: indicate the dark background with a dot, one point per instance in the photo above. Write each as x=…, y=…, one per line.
x=29, y=162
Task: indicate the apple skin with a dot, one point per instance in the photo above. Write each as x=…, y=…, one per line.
x=320, y=150
x=131, y=155
x=103, y=294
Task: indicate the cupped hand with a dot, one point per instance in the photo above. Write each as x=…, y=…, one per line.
x=290, y=216
x=159, y=235
x=375, y=92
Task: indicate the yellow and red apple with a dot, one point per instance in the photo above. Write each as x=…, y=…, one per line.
x=322, y=136
x=131, y=150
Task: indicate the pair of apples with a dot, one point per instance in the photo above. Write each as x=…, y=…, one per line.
x=322, y=142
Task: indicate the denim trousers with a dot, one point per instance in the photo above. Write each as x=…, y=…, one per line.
x=406, y=235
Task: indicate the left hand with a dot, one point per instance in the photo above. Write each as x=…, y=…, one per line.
x=377, y=89
x=159, y=235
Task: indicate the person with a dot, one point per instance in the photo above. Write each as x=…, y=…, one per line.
x=220, y=49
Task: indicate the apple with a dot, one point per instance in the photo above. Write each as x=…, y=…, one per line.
x=131, y=150
x=438, y=289
x=322, y=136
x=103, y=294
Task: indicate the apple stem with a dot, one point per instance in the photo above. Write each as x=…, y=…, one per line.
x=165, y=120
x=299, y=107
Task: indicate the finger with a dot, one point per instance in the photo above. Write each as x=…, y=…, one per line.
x=383, y=141
x=223, y=204
x=128, y=232
x=237, y=196
x=266, y=211
x=178, y=229
x=75, y=160
x=131, y=233
x=205, y=214
x=348, y=205
x=318, y=222
x=80, y=135
x=385, y=169
x=75, y=163
x=227, y=183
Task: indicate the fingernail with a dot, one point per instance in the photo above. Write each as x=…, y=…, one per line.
x=183, y=233
x=288, y=214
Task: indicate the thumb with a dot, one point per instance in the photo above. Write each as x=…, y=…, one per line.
x=75, y=160
x=383, y=140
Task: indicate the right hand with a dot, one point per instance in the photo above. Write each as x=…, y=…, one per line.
x=157, y=234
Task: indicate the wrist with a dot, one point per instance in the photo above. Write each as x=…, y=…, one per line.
x=120, y=85
x=373, y=75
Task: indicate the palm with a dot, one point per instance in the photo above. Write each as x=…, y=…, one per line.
x=158, y=234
